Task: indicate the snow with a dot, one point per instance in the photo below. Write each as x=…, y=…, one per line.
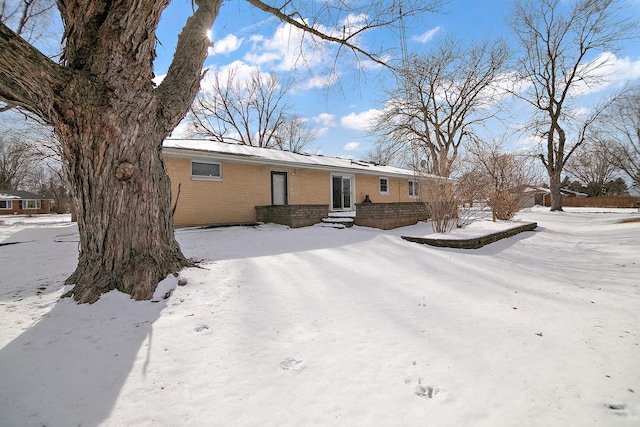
x=317, y=326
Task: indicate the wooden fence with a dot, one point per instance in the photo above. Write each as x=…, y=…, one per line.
x=598, y=202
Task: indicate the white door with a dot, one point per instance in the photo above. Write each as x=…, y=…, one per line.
x=278, y=188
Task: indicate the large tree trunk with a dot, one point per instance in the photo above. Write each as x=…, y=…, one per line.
x=122, y=199
x=555, y=184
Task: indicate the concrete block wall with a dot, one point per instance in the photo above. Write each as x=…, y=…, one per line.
x=292, y=215
x=390, y=215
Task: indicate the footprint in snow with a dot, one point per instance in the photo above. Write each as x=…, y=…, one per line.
x=427, y=391
x=619, y=409
x=290, y=364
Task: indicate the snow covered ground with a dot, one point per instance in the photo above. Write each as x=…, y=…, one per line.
x=317, y=326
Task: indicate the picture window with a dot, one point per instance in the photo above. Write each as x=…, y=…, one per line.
x=202, y=170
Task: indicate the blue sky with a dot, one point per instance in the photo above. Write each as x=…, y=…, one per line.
x=340, y=110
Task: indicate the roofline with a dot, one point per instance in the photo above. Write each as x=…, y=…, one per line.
x=244, y=158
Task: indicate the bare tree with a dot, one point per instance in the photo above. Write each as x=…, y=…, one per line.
x=251, y=111
x=502, y=178
x=618, y=133
x=591, y=165
x=49, y=182
x=439, y=100
x=16, y=162
x=111, y=119
x=557, y=64
x=248, y=112
x=295, y=135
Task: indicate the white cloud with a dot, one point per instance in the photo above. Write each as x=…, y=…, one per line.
x=261, y=58
x=326, y=120
x=241, y=72
x=426, y=36
x=183, y=130
x=321, y=132
x=528, y=141
x=227, y=44
x=158, y=79
x=288, y=49
x=352, y=146
x=576, y=113
x=604, y=71
x=320, y=82
x=351, y=24
x=360, y=121
x=368, y=64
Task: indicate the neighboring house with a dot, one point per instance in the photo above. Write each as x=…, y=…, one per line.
x=23, y=202
x=542, y=195
x=220, y=183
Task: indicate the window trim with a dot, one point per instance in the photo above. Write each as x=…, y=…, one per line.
x=206, y=177
x=380, y=179
x=37, y=204
x=413, y=187
x=8, y=205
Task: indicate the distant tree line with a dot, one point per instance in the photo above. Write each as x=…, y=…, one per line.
x=29, y=164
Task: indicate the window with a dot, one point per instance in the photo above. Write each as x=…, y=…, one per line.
x=413, y=189
x=206, y=171
x=384, y=185
x=31, y=204
x=6, y=204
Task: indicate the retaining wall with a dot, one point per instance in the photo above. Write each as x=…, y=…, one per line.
x=390, y=215
x=472, y=243
x=292, y=215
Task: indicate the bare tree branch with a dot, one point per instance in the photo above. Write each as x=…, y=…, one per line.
x=440, y=98
x=254, y=111
x=376, y=13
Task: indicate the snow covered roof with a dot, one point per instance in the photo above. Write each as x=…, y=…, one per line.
x=17, y=194
x=562, y=190
x=249, y=154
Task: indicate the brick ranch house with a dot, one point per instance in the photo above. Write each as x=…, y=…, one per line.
x=215, y=183
x=14, y=202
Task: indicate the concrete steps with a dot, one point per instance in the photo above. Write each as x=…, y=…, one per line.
x=339, y=220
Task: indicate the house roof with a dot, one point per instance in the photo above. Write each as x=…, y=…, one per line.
x=248, y=154
x=17, y=194
x=562, y=190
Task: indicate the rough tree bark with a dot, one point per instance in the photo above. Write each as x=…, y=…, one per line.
x=111, y=122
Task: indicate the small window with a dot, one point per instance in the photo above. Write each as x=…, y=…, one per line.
x=413, y=189
x=201, y=170
x=384, y=185
x=31, y=204
x=6, y=204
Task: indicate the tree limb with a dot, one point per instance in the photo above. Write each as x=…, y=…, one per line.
x=28, y=79
x=182, y=82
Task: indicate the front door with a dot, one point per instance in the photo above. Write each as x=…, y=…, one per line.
x=341, y=192
x=279, y=188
